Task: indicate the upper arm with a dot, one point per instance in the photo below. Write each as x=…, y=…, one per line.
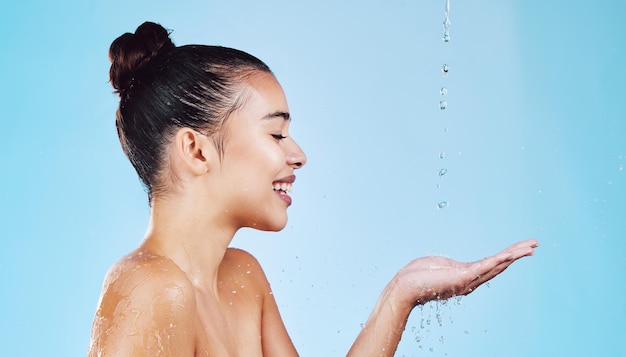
x=274, y=337
x=276, y=340
x=145, y=310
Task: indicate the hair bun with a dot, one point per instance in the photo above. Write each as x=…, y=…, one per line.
x=131, y=52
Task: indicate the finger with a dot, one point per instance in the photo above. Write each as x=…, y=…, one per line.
x=530, y=243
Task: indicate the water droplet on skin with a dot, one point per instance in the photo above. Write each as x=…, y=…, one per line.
x=442, y=172
x=234, y=291
x=443, y=105
x=445, y=69
x=442, y=204
x=443, y=91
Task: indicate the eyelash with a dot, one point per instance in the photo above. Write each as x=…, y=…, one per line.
x=279, y=136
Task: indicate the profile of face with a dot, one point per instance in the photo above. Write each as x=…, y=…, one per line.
x=256, y=171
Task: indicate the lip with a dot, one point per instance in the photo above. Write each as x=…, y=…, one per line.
x=286, y=179
x=282, y=194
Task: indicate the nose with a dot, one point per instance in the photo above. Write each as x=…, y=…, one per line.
x=295, y=156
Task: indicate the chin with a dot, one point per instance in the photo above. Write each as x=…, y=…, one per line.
x=272, y=226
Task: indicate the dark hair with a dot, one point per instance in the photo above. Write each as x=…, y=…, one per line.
x=163, y=88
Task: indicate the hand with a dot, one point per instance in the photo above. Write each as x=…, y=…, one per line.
x=438, y=278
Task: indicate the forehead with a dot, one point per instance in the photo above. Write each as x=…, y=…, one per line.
x=264, y=95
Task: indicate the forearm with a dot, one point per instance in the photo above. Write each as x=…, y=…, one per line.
x=382, y=331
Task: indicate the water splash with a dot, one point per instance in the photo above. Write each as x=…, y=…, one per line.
x=446, y=23
x=445, y=69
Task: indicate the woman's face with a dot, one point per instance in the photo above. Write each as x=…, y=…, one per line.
x=257, y=168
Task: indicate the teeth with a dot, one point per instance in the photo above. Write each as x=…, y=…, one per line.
x=285, y=187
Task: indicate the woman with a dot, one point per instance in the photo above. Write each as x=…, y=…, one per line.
x=207, y=129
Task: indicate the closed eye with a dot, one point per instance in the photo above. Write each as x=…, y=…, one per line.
x=278, y=136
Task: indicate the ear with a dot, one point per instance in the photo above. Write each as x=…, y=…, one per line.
x=194, y=150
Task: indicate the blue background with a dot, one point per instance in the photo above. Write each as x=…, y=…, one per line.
x=533, y=135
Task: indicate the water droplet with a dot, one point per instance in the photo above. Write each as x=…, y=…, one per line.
x=234, y=291
x=443, y=105
x=443, y=91
x=446, y=37
x=442, y=154
x=442, y=204
x=442, y=172
x=621, y=167
x=445, y=69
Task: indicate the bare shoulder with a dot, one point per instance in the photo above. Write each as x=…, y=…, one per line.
x=239, y=256
x=145, y=301
x=146, y=277
x=240, y=265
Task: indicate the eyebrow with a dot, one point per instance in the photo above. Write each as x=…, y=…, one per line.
x=279, y=114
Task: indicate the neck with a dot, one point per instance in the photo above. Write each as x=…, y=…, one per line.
x=191, y=234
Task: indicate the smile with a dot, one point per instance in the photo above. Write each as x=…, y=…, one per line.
x=282, y=186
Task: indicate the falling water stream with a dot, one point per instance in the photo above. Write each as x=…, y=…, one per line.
x=443, y=91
